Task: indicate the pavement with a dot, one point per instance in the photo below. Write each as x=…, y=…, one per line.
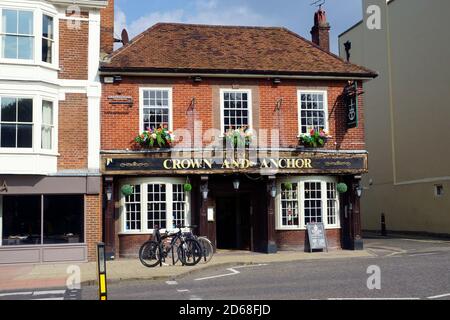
x=22, y=277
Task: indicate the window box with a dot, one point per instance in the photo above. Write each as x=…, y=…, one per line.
x=315, y=139
x=156, y=138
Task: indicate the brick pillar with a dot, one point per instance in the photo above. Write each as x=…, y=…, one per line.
x=93, y=216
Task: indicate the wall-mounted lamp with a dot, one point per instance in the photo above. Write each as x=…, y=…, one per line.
x=112, y=79
x=198, y=79
x=273, y=191
x=276, y=81
x=236, y=184
x=204, y=189
x=109, y=191
x=359, y=191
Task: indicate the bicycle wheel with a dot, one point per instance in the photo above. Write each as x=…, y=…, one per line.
x=190, y=252
x=150, y=254
x=207, y=249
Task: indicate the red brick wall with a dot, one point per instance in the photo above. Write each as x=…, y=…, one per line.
x=107, y=28
x=120, y=123
x=130, y=244
x=73, y=51
x=93, y=207
x=297, y=240
x=73, y=132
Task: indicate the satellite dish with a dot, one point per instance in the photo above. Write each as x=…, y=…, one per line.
x=125, y=37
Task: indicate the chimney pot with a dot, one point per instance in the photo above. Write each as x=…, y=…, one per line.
x=321, y=30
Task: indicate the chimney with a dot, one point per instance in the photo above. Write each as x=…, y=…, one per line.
x=107, y=29
x=321, y=30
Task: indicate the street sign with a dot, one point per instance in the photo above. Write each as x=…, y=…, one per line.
x=317, y=236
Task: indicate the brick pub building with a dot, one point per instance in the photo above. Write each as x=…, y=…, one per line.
x=199, y=81
x=50, y=199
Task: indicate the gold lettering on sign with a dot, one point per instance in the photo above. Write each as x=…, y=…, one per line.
x=4, y=187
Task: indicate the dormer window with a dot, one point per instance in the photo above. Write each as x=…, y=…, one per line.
x=17, y=34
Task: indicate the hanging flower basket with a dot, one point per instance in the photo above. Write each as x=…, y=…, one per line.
x=127, y=190
x=315, y=139
x=342, y=188
x=156, y=138
x=187, y=187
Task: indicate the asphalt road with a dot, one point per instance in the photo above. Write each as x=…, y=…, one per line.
x=409, y=269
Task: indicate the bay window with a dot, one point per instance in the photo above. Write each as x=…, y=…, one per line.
x=27, y=123
x=16, y=123
x=47, y=125
x=47, y=39
x=313, y=111
x=155, y=202
x=304, y=200
x=17, y=34
x=28, y=35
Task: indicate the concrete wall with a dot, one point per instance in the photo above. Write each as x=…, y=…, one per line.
x=407, y=112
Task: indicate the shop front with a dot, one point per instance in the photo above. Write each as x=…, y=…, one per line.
x=260, y=201
x=48, y=219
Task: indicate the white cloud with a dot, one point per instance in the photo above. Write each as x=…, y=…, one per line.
x=205, y=12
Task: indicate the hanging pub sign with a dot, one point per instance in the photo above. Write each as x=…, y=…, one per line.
x=351, y=103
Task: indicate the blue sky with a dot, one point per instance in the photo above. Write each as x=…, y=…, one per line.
x=296, y=15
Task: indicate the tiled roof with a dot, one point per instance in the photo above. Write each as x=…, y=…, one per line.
x=171, y=47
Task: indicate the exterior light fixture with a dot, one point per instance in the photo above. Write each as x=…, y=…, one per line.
x=204, y=189
x=236, y=184
x=108, y=80
x=359, y=191
x=198, y=79
x=273, y=191
x=109, y=192
x=277, y=81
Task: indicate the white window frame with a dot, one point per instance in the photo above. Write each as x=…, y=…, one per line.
x=38, y=11
x=222, y=107
x=144, y=182
x=301, y=198
x=53, y=41
x=37, y=125
x=141, y=105
x=325, y=107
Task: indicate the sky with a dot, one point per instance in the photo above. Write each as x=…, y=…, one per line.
x=296, y=15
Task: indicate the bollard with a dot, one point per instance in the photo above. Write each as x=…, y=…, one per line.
x=383, y=225
x=101, y=268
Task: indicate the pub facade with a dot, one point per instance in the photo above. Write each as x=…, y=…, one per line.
x=247, y=133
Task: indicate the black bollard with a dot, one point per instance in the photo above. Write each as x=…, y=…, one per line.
x=383, y=225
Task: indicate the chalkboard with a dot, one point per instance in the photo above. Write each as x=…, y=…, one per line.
x=317, y=236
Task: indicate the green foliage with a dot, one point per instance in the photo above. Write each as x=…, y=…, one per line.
x=342, y=188
x=162, y=137
x=127, y=190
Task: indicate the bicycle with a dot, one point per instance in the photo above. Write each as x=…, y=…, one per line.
x=153, y=252
x=205, y=243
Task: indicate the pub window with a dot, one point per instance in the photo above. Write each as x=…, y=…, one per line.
x=16, y=123
x=133, y=210
x=332, y=204
x=179, y=203
x=313, y=202
x=47, y=39
x=289, y=205
x=157, y=206
x=41, y=219
x=313, y=108
x=303, y=200
x=156, y=202
x=156, y=108
x=17, y=36
x=236, y=109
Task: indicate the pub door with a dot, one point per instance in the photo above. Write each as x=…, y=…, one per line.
x=234, y=222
